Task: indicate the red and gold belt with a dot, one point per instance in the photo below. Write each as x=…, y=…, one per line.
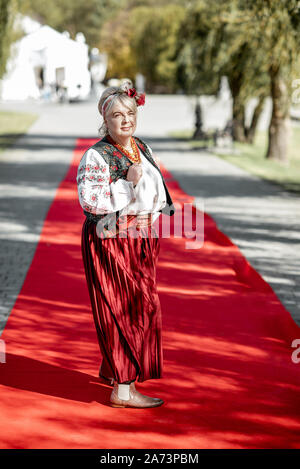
x=127, y=222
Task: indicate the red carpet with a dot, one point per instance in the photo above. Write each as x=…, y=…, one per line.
x=229, y=380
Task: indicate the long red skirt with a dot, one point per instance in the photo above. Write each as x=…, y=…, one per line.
x=121, y=279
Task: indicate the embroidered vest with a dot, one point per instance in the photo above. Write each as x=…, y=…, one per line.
x=119, y=164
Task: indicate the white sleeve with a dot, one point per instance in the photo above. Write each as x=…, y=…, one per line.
x=96, y=194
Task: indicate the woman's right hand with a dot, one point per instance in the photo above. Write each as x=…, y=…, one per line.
x=134, y=173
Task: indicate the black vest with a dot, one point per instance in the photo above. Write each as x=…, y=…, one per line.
x=119, y=164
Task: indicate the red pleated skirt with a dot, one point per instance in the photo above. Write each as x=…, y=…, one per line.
x=121, y=279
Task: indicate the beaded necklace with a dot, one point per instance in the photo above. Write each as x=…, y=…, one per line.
x=136, y=157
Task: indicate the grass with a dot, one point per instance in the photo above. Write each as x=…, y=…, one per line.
x=13, y=125
x=252, y=158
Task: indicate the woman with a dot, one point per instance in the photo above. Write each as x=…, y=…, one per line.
x=122, y=192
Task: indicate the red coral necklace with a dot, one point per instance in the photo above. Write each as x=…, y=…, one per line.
x=136, y=157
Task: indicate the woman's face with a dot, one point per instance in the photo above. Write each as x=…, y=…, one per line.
x=120, y=121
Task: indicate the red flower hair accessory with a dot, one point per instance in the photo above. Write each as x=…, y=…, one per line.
x=139, y=97
x=132, y=92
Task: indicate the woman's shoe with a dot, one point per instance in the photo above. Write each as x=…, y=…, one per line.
x=136, y=399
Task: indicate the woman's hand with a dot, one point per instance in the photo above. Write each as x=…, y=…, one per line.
x=134, y=173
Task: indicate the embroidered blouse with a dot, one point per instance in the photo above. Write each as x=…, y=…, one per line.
x=98, y=196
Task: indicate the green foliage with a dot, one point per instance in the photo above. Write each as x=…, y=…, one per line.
x=115, y=41
x=238, y=37
x=154, y=43
x=254, y=43
x=252, y=158
x=277, y=24
x=218, y=40
x=4, y=18
x=8, y=34
x=197, y=48
x=86, y=16
x=143, y=39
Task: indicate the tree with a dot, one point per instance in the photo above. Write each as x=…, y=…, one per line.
x=278, y=22
x=8, y=32
x=216, y=41
x=142, y=39
x=154, y=45
x=86, y=16
x=254, y=43
x=4, y=18
x=115, y=40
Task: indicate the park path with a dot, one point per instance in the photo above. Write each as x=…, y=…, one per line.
x=260, y=218
x=224, y=329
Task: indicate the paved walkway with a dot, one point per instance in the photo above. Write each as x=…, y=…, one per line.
x=260, y=218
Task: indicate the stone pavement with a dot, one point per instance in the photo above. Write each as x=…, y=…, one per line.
x=29, y=176
x=260, y=218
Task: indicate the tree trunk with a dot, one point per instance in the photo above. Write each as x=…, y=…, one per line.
x=250, y=131
x=279, y=129
x=238, y=107
x=238, y=117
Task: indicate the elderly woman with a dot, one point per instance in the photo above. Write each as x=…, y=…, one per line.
x=122, y=192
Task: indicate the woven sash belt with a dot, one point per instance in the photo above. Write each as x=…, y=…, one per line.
x=123, y=222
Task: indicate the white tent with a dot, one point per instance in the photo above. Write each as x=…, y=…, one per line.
x=44, y=60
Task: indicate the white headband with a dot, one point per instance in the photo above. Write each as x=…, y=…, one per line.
x=106, y=101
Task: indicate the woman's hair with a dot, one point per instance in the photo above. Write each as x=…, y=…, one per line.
x=121, y=95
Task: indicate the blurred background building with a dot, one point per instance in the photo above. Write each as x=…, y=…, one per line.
x=47, y=64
